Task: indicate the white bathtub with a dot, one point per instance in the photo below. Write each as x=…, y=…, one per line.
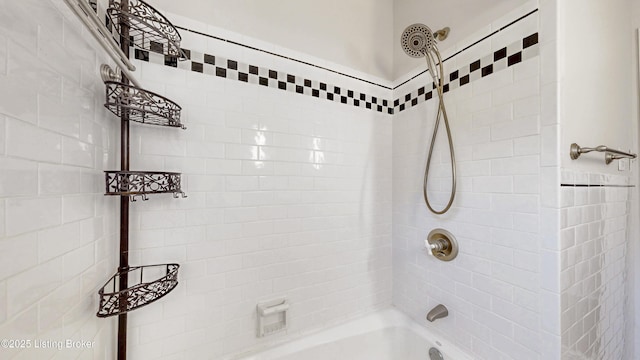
x=386, y=335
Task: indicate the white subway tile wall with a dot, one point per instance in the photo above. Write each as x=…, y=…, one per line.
x=289, y=177
x=57, y=232
x=291, y=195
x=492, y=289
x=594, y=227
x=288, y=196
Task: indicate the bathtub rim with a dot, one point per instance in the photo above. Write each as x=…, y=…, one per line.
x=379, y=320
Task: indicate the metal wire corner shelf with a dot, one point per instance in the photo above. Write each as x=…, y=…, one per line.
x=147, y=28
x=141, y=105
x=141, y=26
x=143, y=293
x=134, y=183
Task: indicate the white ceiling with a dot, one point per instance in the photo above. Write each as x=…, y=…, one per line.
x=359, y=34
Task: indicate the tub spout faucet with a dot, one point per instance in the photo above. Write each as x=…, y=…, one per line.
x=437, y=312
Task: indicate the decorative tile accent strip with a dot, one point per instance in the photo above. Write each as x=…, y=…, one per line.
x=235, y=70
x=499, y=60
x=470, y=46
x=285, y=57
x=576, y=179
x=231, y=69
x=596, y=185
x=208, y=64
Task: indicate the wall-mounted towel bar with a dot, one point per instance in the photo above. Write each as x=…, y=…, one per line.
x=610, y=154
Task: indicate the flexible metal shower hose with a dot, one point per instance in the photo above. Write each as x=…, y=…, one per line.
x=442, y=114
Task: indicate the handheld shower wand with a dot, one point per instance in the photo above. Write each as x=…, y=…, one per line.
x=418, y=41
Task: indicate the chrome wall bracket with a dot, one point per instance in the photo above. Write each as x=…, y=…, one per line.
x=442, y=34
x=108, y=74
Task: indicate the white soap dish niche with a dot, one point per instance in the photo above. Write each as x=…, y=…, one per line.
x=272, y=316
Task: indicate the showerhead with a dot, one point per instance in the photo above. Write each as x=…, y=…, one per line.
x=417, y=40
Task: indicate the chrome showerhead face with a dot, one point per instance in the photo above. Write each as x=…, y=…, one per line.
x=417, y=40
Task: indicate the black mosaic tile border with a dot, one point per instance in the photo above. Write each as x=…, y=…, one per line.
x=208, y=64
x=596, y=185
x=235, y=70
x=472, y=45
x=501, y=59
x=232, y=69
x=284, y=57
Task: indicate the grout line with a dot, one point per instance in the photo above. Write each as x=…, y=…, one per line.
x=4, y=218
x=5, y=133
x=7, y=57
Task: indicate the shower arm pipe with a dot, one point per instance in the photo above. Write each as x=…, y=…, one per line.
x=576, y=150
x=91, y=21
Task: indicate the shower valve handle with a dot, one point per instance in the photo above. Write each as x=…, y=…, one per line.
x=438, y=248
x=441, y=244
